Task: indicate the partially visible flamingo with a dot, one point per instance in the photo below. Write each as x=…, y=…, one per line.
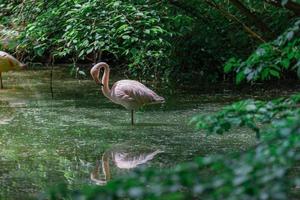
x=128, y=93
x=8, y=63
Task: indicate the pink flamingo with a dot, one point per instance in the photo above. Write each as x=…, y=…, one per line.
x=128, y=93
x=8, y=63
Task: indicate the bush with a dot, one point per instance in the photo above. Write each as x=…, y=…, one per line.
x=271, y=59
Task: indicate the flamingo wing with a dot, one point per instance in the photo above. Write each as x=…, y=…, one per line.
x=133, y=94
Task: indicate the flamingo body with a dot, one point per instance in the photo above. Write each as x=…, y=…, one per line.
x=129, y=93
x=133, y=94
x=8, y=63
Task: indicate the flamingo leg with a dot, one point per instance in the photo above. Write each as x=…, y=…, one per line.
x=1, y=81
x=132, y=120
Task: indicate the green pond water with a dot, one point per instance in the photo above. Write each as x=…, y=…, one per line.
x=45, y=141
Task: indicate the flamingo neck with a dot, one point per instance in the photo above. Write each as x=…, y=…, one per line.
x=105, y=80
x=105, y=167
x=95, y=175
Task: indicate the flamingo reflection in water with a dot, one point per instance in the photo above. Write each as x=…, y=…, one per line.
x=122, y=159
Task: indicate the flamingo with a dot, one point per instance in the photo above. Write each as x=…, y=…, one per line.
x=129, y=93
x=8, y=63
x=122, y=159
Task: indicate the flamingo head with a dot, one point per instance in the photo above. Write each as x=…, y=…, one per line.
x=23, y=66
x=95, y=71
x=17, y=65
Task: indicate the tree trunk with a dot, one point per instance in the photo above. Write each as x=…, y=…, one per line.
x=260, y=24
x=257, y=22
x=290, y=5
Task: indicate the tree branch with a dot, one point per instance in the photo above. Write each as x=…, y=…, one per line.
x=290, y=5
x=258, y=22
x=230, y=16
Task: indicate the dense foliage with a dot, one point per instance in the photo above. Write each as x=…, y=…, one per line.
x=271, y=59
x=173, y=40
x=122, y=28
x=250, y=113
x=131, y=31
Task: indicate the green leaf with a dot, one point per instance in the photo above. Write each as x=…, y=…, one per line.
x=240, y=77
x=285, y=63
x=126, y=37
x=275, y=73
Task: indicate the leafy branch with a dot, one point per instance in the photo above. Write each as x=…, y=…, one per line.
x=270, y=59
x=247, y=113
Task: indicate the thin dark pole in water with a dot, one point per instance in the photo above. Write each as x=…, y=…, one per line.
x=51, y=81
x=132, y=120
x=1, y=80
x=51, y=61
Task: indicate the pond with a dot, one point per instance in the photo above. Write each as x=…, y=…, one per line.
x=45, y=141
